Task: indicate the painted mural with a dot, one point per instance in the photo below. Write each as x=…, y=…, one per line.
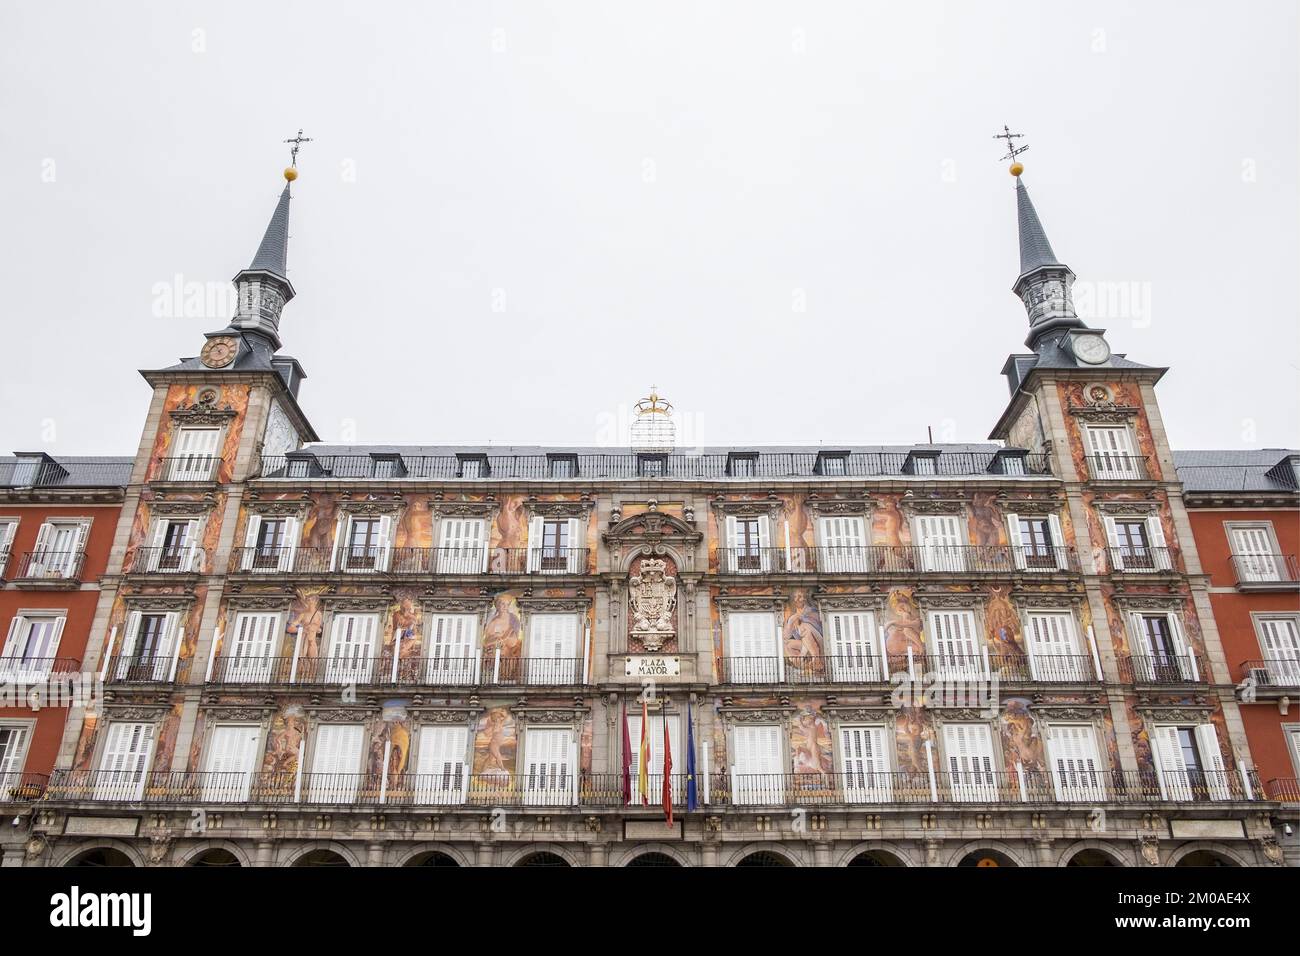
x=233, y=397
x=801, y=634
x=495, y=744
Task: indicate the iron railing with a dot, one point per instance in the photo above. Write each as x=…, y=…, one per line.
x=560, y=787
x=1261, y=570
x=870, y=668
x=200, y=468
x=896, y=559
x=168, y=560
x=1272, y=672
x=22, y=787
x=1186, y=668
x=1284, y=789
x=1119, y=468
x=1141, y=560
x=146, y=669
x=26, y=670
x=409, y=561
x=49, y=565
x=485, y=670
x=676, y=465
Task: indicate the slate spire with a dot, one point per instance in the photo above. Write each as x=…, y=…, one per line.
x=264, y=287
x=1044, y=284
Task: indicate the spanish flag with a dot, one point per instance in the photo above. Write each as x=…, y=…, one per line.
x=668, y=776
x=643, y=760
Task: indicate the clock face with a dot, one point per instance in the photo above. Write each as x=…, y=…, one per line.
x=1091, y=349
x=220, y=351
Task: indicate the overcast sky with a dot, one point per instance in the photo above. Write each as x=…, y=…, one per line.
x=515, y=217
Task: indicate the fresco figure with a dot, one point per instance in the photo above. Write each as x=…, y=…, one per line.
x=801, y=634
x=503, y=628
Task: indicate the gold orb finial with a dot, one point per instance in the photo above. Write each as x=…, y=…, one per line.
x=1017, y=169
x=290, y=173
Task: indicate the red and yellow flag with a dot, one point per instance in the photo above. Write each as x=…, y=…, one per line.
x=643, y=760
x=668, y=776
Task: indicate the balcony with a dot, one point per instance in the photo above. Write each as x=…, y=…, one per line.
x=187, y=470
x=1270, y=677
x=1141, y=560
x=489, y=670
x=606, y=790
x=35, y=670
x=49, y=569
x=409, y=562
x=1119, y=468
x=925, y=668
x=22, y=787
x=1283, y=789
x=889, y=560
x=1266, y=572
x=146, y=669
x=168, y=560
x=1187, y=668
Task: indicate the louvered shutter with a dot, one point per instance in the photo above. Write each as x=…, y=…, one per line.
x=952, y=634
x=12, y=648
x=576, y=557
x=757, y=773
x=1054, y=648
x=1217, y=783
x=384, y=553
x=129, y=638
x=864, y=757
x=942, y=544
x=156, y=539
x=1112, y=540
x=463, y=549
x=125, y=761
x=1279, y=640
x=253, y=646
x=1171, y=772
x=843, y=539
x=547, y=767
x=232, y=750
x=196, y=449
x=250, y=541
x=1075, y=767
x=289, y=548
x=536, y=542
x=553, y=649
x=1156, y=535
x=442, y=776
x=753, y=648
x=1252, y=551
x=340, y=526
x=1112, y=453
x=13, y=751
x=1058, y=542
x=1187, y=668
x=1015, y=542
x=969, y=748
x=853, y=646
x=162, y=658
x=193, y=536
x=7, y=531
x=731, y=564
x=336, y=763
x=41, y=556
x=352, y=648
x=450, y=652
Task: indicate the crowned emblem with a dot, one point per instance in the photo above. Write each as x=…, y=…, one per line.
x=653, y=600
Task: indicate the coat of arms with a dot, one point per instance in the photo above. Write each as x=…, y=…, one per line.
x=652, y=599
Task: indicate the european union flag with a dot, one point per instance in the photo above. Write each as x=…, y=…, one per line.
x=690, y=761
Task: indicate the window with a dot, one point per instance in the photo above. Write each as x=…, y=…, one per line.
x=173, y=546
x=562, y=466
x=367, y=543
x=1011, y=464
x=8, y=528
x=252, y=647
x=441, y=771
x=757, y=772
x=1110, y=453
x=270, y=543
x=1037, y=543
x=336, y=763
x=1292, y=732
x=1255, y=553
x=387, y=466
x=353, y=640
x=842, y=543
x=1073, y=763
x=13, y=754
x=59, y=548
x=1279, y=642
x=31, y=646
x=553, y=649
x=473, y=466
x=550, y=764
x=753, y=656
x=853, y=651
x=147, y=649
x=748, y=545
x=195, y=454
x=1054, y=648
x=922, y=463
x=652, y=466
x=451, y=655
x=943, y=543
x=864, y=759
x=957, y=655
x=228, y=771
x=128, y=750
x=552, y=546
x=1137, y=544
x=742, y=464
x=655, y=768
x=462, y=546
x=832, y=464
x=1163, y=657
x=968, y=749
x=1189, y=763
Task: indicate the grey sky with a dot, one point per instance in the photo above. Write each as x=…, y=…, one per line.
x=650, y=192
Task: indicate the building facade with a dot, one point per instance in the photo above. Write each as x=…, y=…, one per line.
x=57, y=519
x=1245, y=514
x=983, y=654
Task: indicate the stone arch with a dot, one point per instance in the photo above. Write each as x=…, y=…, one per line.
x=519, y=854
x=296, y=853
x=1119, y=855
x=626, y=855
x=190, y=856
x=1180, y=853
x=68, y=856
x=410, y=855
x=790, y=855
x=994, y=846
x=901, y=856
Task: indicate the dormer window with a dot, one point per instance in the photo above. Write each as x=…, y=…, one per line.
x=387, y=466
x=562, y=466
x=35, y=468
x=1009, y=461
x=652, y=466
x=742, y=464
x=921, y=462
x=472, y=466
x=302, y=464
x=832, y=464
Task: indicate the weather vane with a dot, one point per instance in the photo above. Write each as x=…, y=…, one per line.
x=1012, y=149
x=291, y=171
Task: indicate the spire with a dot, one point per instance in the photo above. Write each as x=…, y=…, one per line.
x=264, y=287
x=1044, y=284
x=273, y=254
x=1035, y=250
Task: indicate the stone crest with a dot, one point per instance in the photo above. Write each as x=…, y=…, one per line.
x=652, y=599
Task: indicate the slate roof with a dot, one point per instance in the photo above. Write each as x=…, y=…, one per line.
x=1035, y=250
x=71, y=471
x=1236, y=470
x=273, y=254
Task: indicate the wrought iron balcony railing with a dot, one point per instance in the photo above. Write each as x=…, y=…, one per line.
x=1141, y=560
x=897, y=559
x=49, y=566
x=871, y=668
x=1272, y=672
x=18, y=787
x=1186, y=668
x=409, y=561
x=29, y=670
x=1119, y=468
x=486, y=670
x=1283, y=789
x=1264, y=571
x=147, y=669
x=168, y=560
x=186, y=468
x=587, y=467
x=560, y=787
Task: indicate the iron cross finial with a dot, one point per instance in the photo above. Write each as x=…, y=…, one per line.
x=297, y=145
x=1012, y=149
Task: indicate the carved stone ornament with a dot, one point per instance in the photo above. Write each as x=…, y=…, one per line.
x=204, y=411
x=1036, y=600
x=1149, y=846
x=1272, y=850
x=1076, y=712
x=240, y=713
x=757, y=715
x=1104, y=413
x=559, y=509
x=846, y=712
x=830, y=507
x=968, y=600
x=1039, y=507
x=332, y=713
x=135, y=712
x=261, y=602
x=370, y=507
x=443, y=715
x=352, y=602
x=276, y=509
x=748, y=507
x=173, y=507
x=1128, y=508
x=760, y=602
x=862, y=601
x=1193, y=714
x=652, y=603
x=955, y=505
x=455, y=605
x=1147, y=602
x=158, y=602
x=462, y=509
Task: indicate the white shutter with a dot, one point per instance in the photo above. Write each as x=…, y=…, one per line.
x=7, y=531
x=1111, y=452
x=655, y=767
x=442, y=776
x=1279, y=640
x=753, y=648
x=450, y=655
x=193, y=534
x=253, y=646
x=1170, y=769
x=942, y=543
x=1112, y=539
x=162, y=659
x=1187, y=668
x=969, y=749
x=952, y=635
x=156, y=539
x=1156, y=538
x=853, y=646
x=340, y=527
x=250, y=541
x=131, y=633
x=41, y=556
x=1014, y=540
x=336, y=763
x=385, y=551
x=1058, y=541
x=757, y=772
x=843, y=540
x=352, y=648
x=552, y=649
x=289, y=549
x=547, y=767
x=228, y=774
x=536, y=536
x=576, y=556
x=125, y=762
x=195, y=450
x=1252, y=552
x=730, y=564
x=13, y=751
x=865, y=759
x=1075, y=767
x=464, y=546
x=764, y=544
x=1216, y=775
x=1054, y=647
x=12, y=648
